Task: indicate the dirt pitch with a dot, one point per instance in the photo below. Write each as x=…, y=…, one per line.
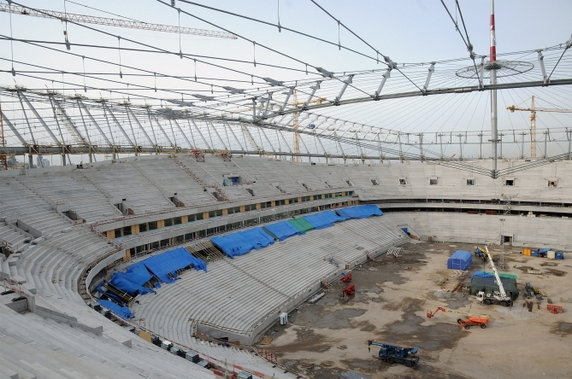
x=329, y=339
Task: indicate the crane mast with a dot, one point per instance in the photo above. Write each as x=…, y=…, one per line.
x=120, y=23
x=496, y=273
x=533, y=109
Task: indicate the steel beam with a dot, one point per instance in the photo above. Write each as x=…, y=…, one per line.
x=14, y=130
x=82, y=105
x=21, y=95
x=436, y=91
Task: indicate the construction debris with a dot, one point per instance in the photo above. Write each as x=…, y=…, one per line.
x=394, y=251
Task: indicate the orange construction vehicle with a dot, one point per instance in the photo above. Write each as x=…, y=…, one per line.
x=432, y=314
x=481, y=321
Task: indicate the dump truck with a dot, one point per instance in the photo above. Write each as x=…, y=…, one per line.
x=396, y=354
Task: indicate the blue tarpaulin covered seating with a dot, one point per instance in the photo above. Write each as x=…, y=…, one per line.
x=165, y=266
x=132, y=280
x=359, y=211
x=323, y=219
x=460, y=260
x=282, y=230
x=123, y=312
x=242, y=242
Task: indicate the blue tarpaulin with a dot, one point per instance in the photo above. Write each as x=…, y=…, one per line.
x=132, y=280
x=165, y=266
x=243, y=242
x=282, y=230
x=460, y=260
x=323, y=219
x=123, y=312
x=359, y=211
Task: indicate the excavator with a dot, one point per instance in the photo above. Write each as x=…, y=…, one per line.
x=432, y=314
x=396, y=354
x=496, y=297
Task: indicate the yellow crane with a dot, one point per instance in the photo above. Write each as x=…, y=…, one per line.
x=120, y=23
x=533, y=109
x=296, y=123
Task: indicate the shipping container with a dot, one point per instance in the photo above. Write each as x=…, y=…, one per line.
x=488, y=284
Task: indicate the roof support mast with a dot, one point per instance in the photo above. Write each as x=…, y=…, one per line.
x=493, y=67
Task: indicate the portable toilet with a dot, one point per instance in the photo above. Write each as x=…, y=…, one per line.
x=460, y=260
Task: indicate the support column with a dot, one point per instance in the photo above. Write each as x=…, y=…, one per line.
x=493, y=74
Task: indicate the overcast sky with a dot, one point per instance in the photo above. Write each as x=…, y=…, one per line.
x=406, y=31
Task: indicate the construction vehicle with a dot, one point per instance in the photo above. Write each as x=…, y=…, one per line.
x=496, y=297
x=554, y=309
x=432, y=314
x=396, y=354
x=533, y=292
x=481, y=321
x=346, y=277
x=348, y=292
x=481, y=253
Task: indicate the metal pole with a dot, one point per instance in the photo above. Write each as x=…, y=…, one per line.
x=533, y=129
x=493, y=74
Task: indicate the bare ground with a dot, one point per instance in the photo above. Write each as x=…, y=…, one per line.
x=329, y=339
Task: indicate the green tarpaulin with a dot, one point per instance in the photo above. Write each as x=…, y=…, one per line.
x=302, y=225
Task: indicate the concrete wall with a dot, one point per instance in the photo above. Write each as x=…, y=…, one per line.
x=461, y=227
x=529, y=185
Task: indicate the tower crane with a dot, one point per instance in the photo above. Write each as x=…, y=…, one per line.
x=296, y=122
x=533, y=109
x=120, y=23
